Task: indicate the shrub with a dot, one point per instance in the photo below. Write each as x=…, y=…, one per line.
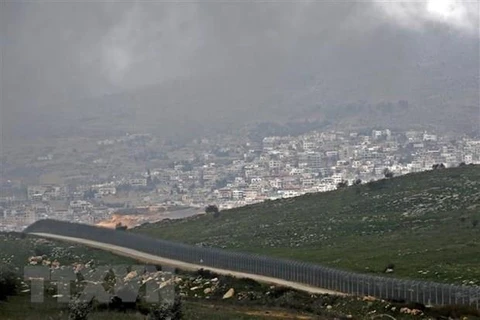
x=166, y=311
x=206, y=273
x=212, y=209
x=438, y=166
x=8, y=282
x=79, y=309
x=120, y=226
x=454, y=311
x=41, y=250
x=342, y=184
x=387, y=173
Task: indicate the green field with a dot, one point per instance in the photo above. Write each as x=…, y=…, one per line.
x=426, y=224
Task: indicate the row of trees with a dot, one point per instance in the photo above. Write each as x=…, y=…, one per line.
x=344, y=183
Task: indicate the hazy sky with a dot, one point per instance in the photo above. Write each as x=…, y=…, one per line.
x=57, y=52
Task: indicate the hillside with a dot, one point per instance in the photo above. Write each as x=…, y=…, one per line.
x=202, y=292
x=16, y=250
x=426, y=224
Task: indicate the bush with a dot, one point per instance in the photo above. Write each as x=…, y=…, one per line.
x=438, y=166
x=387, y=173
x=207, y=274
x=8, y=282
x=41, y=250
x=454, y=311
x=166, y=311
x=342, y=184
x=79, y=309
x=120, y=226
x=212, y=209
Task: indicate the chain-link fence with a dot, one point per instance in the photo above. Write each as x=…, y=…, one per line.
x=428, y=293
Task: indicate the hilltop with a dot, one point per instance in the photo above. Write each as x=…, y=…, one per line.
x=425, y=224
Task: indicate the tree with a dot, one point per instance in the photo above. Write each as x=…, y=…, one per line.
x=213, y=209
x=166, y=311
x=438, y=166
x=342, y=184
x=387, y=173
x=120, y=226
x=475, y=223
x=389, y=268
x=357, y=182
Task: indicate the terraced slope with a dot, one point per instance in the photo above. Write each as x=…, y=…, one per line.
x=426, y=224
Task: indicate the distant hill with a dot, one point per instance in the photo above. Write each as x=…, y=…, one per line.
x=426, y=224
x=386, y=78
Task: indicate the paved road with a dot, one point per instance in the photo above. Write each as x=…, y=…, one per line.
x=149, y=258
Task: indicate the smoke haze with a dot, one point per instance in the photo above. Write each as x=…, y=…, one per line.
x=174, y=63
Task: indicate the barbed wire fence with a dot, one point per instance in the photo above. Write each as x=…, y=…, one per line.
x=424, y=292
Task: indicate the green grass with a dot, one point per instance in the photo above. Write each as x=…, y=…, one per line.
x=420, y=222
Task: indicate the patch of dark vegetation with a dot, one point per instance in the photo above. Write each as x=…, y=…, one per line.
x=8, y=281
x=454, y=312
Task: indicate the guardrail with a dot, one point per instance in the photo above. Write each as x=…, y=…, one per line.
x=428, y=293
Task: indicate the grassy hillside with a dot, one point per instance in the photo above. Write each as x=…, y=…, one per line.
x=251, y=300
x=15, y=250
x=423, y=223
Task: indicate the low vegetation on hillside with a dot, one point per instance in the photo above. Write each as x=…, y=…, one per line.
x=424, y=224
x=199, y=295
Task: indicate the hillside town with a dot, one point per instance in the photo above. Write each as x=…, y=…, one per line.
x=233, y=172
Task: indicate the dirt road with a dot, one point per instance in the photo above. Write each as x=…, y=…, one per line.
x=149, y=258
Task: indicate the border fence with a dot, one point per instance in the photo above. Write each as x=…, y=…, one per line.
x=427, y=293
